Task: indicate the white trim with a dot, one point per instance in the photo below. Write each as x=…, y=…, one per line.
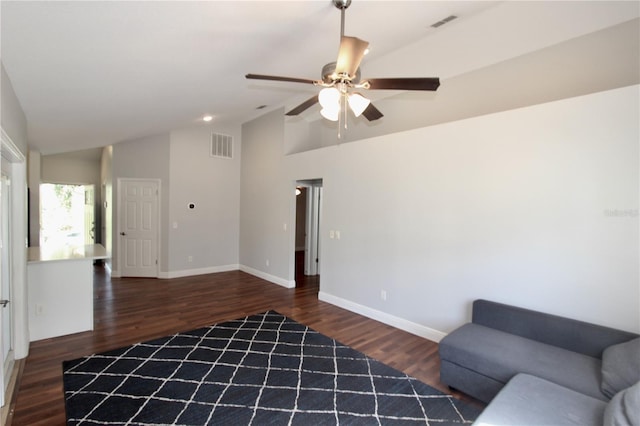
x=268, y=277
x=401, y=323
x=107, y=268
x=199, y=271
x=9, y=149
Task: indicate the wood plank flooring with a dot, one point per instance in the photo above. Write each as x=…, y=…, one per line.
x=130, y=310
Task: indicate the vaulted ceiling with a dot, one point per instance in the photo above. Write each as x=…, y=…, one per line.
x=94, y=73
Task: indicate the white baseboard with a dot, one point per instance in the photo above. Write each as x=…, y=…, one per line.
x=112, y=273
x=268, y=277
x=199, y=271
x=383, y=317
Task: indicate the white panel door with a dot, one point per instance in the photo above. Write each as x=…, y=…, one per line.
x=138, y=227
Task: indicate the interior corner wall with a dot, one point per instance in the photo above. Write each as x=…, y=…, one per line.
x=204, y=238
x=106, y=195
x=266, y=201
x=145, y=158
x=536, y=207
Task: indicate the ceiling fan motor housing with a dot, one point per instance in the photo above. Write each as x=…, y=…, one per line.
x=329, y=77
x=342, y=4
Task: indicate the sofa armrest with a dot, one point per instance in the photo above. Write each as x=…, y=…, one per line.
x=577, y=336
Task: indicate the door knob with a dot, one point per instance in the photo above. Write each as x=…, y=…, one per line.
x=122, y=233
x=4, y=303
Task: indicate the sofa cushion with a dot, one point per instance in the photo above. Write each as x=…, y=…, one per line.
x=620, y=367
x=501, y=356
x=623, y=409
x=566, y=333
x=529, y=400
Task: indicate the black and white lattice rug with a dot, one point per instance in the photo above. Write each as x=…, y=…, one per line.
x=263, y=369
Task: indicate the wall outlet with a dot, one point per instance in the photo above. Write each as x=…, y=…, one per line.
x=190, y=259
x=39, y=309
x=383, y=295
x=267, y=262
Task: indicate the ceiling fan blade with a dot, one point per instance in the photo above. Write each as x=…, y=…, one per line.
x=278, y=78
x=304, y=106
x=372, y=113
x=426, y=83
x=350, y=55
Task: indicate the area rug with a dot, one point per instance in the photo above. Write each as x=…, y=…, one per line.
x=265, y=369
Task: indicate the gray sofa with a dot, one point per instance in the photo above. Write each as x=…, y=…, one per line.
x=537, y=363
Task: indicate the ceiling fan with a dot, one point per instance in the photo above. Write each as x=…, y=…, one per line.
x=341, y=80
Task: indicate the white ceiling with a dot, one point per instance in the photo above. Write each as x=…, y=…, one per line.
x=94, y=73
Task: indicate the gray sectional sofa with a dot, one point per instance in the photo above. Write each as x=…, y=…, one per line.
x=537, y=368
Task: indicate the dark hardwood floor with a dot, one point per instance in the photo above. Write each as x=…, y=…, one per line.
x=130, y=310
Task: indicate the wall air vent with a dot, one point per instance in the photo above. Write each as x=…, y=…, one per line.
x=444, y=21
x=221, y=146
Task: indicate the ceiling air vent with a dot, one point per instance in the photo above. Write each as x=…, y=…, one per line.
x=221, y=145
x=444, y=21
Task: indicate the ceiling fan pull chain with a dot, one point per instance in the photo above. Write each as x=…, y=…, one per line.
x=344, y=109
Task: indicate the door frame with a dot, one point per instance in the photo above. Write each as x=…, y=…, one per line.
x=118, y=270
x=6, y=364
x=15, y=168
x=313, y=226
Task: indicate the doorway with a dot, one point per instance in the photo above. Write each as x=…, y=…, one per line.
x=67, y=215
x=308, y=224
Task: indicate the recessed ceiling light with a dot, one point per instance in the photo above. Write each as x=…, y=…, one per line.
x=207, y=118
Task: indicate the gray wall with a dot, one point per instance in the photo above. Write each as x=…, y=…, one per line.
x=13, y=120
x=536, y=206
x=143, y=158
x=203, y=239
x=192, y=241
x=266, y=201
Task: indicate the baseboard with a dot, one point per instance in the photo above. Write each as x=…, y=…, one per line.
x=107, y=267
x=6, y=411
x=268, y=277
x=383, y=317
x=198, y=271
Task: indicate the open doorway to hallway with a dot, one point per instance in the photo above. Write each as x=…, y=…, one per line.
x=67, y=215
x=308, y=224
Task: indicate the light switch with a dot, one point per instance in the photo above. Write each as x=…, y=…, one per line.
x=175, y=225
x=337, y=235
x=332, y=234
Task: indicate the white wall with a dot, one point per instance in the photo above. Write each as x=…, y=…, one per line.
x=203, y=239
x=536, y=207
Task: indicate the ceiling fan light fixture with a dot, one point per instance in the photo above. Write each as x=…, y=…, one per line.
x=358, y=103
x=331, y=113
x=328, y=97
